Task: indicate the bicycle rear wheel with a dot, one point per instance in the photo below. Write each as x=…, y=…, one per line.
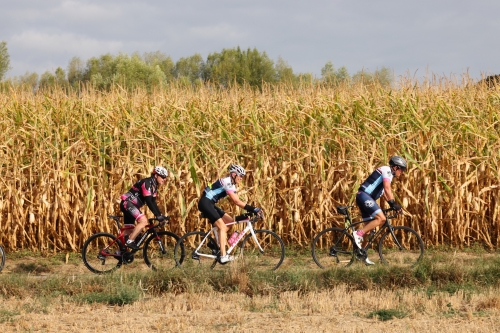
x=331, y=248
x=270, y=254
x=405, y=249
x=2, y=257
x=184, y=251
x=159, y=252
x=101, y=253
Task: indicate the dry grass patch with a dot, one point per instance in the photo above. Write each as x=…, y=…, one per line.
x=337, y=310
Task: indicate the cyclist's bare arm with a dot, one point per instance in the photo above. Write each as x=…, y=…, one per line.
x=236, y=200
x=388, y=191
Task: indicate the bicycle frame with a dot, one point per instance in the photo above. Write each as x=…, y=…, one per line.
x=151, y=228
x=349, y=224
x=248, y=228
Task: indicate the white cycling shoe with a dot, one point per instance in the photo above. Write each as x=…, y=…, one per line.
x=226, y=258
x=358, y=239
x=368, y=262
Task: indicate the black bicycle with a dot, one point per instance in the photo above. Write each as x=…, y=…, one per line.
x=104, y=252
x=397, y=245
x=2, y=257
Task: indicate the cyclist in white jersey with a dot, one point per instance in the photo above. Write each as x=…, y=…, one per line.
x=376, y=185
x=220, y=189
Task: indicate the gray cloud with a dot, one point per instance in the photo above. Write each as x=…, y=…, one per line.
x=443, y=37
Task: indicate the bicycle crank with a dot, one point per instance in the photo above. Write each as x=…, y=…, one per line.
x=128, y=258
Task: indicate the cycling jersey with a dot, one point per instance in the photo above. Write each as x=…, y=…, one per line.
x=374, y=184
x=143, y=188
x=220, y=189
x=143, y=192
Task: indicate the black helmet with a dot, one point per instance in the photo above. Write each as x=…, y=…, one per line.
x=399, y=162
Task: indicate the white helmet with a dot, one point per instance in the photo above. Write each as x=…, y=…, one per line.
x=238, y=169
x=160, y=171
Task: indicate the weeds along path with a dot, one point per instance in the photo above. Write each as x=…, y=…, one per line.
x=338, y=310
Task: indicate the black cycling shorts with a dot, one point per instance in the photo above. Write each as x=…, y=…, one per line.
x=210, y=210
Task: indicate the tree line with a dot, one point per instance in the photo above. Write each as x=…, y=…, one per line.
x=153, y=69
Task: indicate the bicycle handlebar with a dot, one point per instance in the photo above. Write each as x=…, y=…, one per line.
x=253, y=217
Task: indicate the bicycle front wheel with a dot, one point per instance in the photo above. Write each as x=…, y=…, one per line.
x=332, y=248
x=403, y=247
x=159, y=251
x=101, y=253
x=2, y=257
x=265, y=252
x=190, y=252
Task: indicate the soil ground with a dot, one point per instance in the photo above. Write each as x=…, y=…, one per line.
x=336, y=310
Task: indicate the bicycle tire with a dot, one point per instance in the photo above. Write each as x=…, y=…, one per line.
x=154, y=256
x=92, y=255
x=2, y=257
x=411, y=251
x=187, y=244
x=332, y=247
x=273, y=252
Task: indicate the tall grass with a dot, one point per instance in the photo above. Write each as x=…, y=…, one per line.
x=67, y=158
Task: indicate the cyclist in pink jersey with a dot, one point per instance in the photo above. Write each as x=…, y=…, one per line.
x=142, y=192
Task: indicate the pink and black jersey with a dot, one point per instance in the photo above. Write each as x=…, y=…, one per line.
x=147, y=187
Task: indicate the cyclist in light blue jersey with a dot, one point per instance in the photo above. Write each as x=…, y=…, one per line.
x=376, y=185
x=220, y=189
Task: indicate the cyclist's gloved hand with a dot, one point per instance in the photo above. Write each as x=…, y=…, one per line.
x=250, y=209
x=395, y=206
x=258, y=211
x=163, y=219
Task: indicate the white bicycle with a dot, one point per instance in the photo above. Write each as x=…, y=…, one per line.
x=263, y=249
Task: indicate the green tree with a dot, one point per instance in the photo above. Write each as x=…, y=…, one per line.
x=47, y=81
x=235, y=65
x=284, y=72
x=333, y=77
x=161, y=60
x=328, y=72
x=382, y=76
x=29, y=80
x=4, y=59
x=76, y=69
x=190, y=68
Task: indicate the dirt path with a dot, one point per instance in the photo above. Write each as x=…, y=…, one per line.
x=335, y=311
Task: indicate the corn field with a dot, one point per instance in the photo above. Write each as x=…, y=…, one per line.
x=67, y=157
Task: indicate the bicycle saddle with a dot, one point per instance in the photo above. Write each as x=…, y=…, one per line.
x=342, y=209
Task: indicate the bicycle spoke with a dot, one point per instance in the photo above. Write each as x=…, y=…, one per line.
x=2, y=257
x=331, y=248
x=101, y=254
x=268, y=256
x=405, y=250
x=159, y=253
x=184, y=252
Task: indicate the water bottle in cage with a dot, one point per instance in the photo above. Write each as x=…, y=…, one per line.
x=232, y=239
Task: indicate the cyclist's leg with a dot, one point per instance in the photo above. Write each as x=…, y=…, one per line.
x=216, y=216
x=222, y=235
x=131, y=214
x=369, y=210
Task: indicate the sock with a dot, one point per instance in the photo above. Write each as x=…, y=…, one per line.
x=360, y=233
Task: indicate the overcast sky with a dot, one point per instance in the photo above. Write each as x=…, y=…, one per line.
x=411, y=37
